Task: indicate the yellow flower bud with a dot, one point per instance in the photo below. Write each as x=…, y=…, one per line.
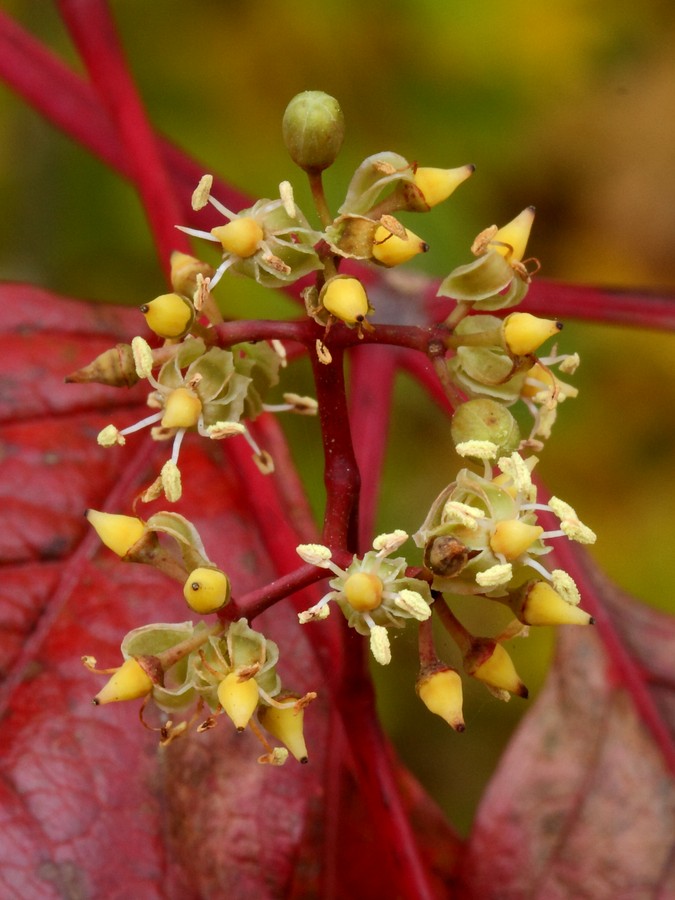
x=129, y=682
x=240, y=237
x=286, y=726
x=363, y=591
x=512, y=537
x=238, y=698
x=511, y=240
x=436, y=185
x=346, y=299
x=169, y=315
x=391, y=250
x=524, y=333
x=489, y=662
x=539, y=604
x=441, y=693
x=184, y=271
x=206, y=590
x=118, y=533
x=182, y=410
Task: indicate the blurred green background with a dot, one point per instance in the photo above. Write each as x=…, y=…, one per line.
x=566, y=105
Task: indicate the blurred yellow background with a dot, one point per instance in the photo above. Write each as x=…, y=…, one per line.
x=566, y=105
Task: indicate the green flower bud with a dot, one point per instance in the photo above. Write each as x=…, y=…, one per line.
x=485, y=420
x=313, y=129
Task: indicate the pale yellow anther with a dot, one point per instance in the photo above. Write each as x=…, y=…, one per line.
x=477, y=449
x=264, y=462
x=570, y=364
x=462, y=513
x=287, y=198
x=109, y=436
x=379, y=645
x=314, y=554
x=570, y=522
x=240, y=237
x=495, y=576
x=413, y=603
x=314, y=614
x=142, y=357
x=565, y=585
x=200, y=195
x=303, y=406
x=323, y=353
x=519, y=472
x=277, y=757
x=171, y=481
x=277, y=264
x=387, y=543
x=280, y=351
x=220, y=430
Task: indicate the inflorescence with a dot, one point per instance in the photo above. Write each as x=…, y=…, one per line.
x=484, y=534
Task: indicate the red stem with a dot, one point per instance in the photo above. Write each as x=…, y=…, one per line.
x=93, y=31
x=372, y=377
x=341, y=473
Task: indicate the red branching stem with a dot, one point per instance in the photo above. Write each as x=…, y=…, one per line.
x=341, y=473
x=375, y=774
x=95, y=36
x=256, y=602
x=372, y=376
x=451, y=623
x=427, y=647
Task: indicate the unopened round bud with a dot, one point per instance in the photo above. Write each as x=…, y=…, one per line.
x=169, y=315
x=485, y=420
x=206, y=590
x=313, y=128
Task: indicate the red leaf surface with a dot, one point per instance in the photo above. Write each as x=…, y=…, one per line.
x=583, y=801
x=89, y=806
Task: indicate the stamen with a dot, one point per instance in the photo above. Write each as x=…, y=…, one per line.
x=149, y=420
x=177, y=441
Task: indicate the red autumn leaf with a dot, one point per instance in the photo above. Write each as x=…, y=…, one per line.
x=85, y=787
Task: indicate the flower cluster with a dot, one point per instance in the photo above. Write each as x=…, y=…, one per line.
x=485, y=535
x=373, y=592
x=223, y=668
